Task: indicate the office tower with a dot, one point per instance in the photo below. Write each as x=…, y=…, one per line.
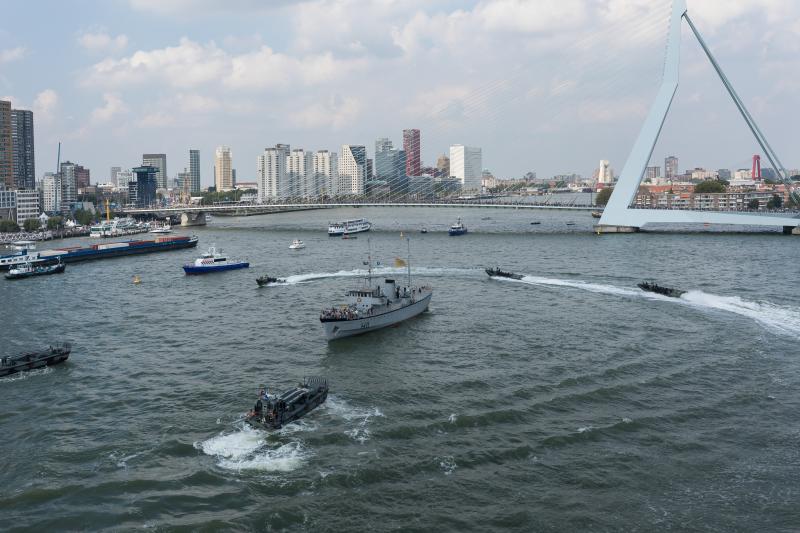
x=300, y=173
x=82, y=177
x=670, y=167
x=352, y=170
x=411, y=145
x=390, y=166
x=142, y=189
x=69, y=187
x=652, y=173
x=194, y=170
x=326, y=171
x=124, y=177
x=443, y=166
x=223, y=177
x=23, y=160
x=51, y=193
x=466, y=165
x=6, y=146
x=160, y=162
x=271, y=173
x=604, y=173
x=114, y=173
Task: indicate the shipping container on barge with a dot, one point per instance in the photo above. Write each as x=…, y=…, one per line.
x=73, y=254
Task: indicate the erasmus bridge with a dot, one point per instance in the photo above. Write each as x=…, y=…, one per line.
x=618, y=216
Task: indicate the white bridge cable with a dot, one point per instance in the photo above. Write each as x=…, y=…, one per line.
x=572, y=69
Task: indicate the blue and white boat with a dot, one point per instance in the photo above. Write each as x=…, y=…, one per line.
x=213, y=261
x=457, y=229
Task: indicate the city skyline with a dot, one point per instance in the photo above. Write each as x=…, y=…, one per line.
x=123, y=90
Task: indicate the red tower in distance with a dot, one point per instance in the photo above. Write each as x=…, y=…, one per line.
x=412, y=149
x=757, y=167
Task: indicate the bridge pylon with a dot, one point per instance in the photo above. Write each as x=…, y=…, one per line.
x=619, y=216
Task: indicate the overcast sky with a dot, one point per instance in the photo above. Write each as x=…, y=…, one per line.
x=545, y=85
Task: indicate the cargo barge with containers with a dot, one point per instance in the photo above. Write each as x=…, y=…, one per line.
x=73, y=254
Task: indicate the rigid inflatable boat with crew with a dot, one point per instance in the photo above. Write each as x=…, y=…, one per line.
x=274, y=411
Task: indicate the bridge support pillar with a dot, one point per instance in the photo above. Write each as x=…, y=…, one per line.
x=605, y=228
x=791, y=230
x=193, y=219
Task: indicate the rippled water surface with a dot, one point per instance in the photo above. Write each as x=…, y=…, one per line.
x=567, y=400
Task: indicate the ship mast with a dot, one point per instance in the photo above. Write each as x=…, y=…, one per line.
x=408, y=263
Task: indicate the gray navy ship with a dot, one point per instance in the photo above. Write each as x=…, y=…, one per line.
x=376, y=305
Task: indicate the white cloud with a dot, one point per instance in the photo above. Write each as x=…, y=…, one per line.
x=12, y=54
x=45, y=104
x=103, y=42
x=112, y=107
x=191, y=64
x=195, y=7
x=336, y=113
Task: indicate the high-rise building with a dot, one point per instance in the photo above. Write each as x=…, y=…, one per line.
x=160, y=162
x=23, y=152
x=223, y=175
x=652, y=173
x=51, y=193
x=390, y=166
x=411, y=145
x=27, y=205
x=69, y=187
x=184, y=183
x=82, y=177
x=443, y=166
x=670, y=167
x=114, y=172
x=6, y=146
x=124, y=177
x=605, y=174
x=326, y=171
x=466, y=165
x=300, y=173
x=194, y=170
x=142, y=189
x=271, y=173
x=352, y=170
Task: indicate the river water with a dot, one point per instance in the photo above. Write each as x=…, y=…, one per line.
x=569, y=400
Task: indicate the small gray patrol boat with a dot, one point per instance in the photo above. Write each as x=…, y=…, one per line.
x=32, y=360
x=376, y=306
x=273, y=411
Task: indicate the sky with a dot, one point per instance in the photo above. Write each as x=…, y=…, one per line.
x=550, y=86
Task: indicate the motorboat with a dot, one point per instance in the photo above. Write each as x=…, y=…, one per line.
x=297, y=244
x=32, y=360
x=424, y=230
x=29, y=270
x=213, y=261
x=597, y=214
x=650, y=286
x=497, y=273
x=161, y=230
x=273, y=411
x=266, y=280
x=457, y=229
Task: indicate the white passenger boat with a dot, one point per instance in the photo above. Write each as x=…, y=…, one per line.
x=297, y=244
x=347, y=227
